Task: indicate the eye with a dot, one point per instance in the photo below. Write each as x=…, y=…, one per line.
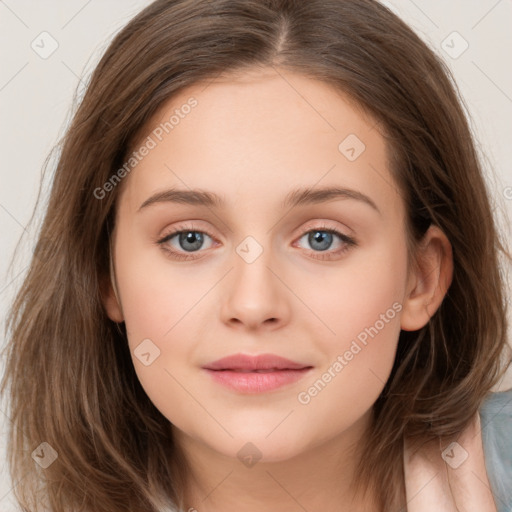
x=189, y=240
x=321, y=239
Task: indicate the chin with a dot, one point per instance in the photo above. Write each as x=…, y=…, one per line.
x=258, y=448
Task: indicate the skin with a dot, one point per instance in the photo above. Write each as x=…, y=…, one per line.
x=252, y=138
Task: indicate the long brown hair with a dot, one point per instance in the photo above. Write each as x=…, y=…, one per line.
x=70, y=377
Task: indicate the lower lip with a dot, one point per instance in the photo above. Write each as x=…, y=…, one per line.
x=253, y=382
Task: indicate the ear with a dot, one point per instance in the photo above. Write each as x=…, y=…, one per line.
x=428, y=283
x=110, y=300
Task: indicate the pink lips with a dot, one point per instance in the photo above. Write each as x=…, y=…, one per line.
x=255, y=374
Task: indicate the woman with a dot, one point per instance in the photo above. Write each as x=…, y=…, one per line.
x=136, y=369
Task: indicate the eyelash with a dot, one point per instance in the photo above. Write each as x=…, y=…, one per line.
x=348, y=241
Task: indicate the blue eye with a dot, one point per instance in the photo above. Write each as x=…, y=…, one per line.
x=189, y=240
x=321, y=239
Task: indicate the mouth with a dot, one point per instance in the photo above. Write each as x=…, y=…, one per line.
x=256, y=374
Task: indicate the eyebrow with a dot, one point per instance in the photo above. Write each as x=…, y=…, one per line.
x=297, y=197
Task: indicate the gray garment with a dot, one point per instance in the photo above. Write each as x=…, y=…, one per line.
x=496, y=421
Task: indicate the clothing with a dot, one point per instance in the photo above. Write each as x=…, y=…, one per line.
x=469, y=472
x=472, y=473
x=496, y=415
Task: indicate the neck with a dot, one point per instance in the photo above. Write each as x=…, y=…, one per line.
x=319, y=478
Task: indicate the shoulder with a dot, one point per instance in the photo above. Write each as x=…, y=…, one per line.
x=496, y=422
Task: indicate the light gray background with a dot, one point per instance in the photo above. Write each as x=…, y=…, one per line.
x=36, y=96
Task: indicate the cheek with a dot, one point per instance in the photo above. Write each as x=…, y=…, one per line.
x=156, y=311
x=156, y=295
x=362, y=308
x=155, y=302
x=362, y=298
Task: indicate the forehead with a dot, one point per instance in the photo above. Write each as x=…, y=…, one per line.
x=258, y=134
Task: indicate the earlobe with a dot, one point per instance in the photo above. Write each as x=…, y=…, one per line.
x=110, y=296
x=430, y=282
x=111, y=304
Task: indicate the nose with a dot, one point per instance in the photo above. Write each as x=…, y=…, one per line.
x=254, y=295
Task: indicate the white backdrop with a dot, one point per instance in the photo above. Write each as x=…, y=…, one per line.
x=47, y=46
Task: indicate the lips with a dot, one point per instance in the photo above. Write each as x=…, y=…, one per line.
x=263, y=363
x=256, y=374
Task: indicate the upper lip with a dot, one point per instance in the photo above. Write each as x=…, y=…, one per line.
x=259, y=362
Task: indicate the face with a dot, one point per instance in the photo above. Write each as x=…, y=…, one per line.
x=317, y=278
